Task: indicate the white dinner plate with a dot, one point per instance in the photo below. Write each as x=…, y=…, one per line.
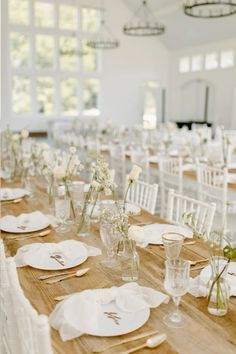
x=23, y=223
x=153, y=233
x=12, y=193
x=107, y=327
x=78, y=255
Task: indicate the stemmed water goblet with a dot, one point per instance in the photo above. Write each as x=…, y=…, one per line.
x=176, y=283
x=172, y=242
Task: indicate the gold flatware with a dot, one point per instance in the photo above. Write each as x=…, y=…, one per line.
x=143, y=223
x=48, y=276
x=58, y=259
x=151, y=342
x=189, y=243
x=197, y=268
x=123, y=341
x=193, y=263
x=25, y=237
x=62, y=297
x=14, y=201
x=79, y=273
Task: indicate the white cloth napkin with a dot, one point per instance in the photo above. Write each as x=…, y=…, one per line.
x=65, y=248
x=198, y=285
x=153, y=233
x=86, y=306
x=29, y=220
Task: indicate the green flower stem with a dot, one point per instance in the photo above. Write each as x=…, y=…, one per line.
x=126, y=193
x=69, y=196
x=94, y=204
x=84, y=209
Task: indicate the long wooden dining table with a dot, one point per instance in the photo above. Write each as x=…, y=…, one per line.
x=203, y=333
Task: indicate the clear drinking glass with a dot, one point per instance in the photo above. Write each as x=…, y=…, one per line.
x=172, y=243
x=176, y=284
x=110, y=240
x=62, y=209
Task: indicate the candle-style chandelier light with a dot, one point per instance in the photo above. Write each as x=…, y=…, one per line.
x=209, y=9
x=104, y=39
x=143, y=23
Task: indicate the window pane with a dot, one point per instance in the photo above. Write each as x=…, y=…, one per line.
x=90, y=19
x=211, y=61
x=197, y=63
x=44, y=14
x=21, y=94
x=184, y=65
x=68, y=17
x=227, y=59
x=19, y=49
x=89, y=61
x=68, y=56
x=90, y=97
x=44, y=51
x=45, y=95
x=69, y=96
x=19, y=12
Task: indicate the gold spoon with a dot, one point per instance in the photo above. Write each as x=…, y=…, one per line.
x=40, y=234
x=79, y=273
x=15, y=201
x=151, y=342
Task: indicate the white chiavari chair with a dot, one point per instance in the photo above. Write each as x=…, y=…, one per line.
x=171, y=177
x=4, y=298
x=29, y=332
x=179, y=204
x=140, y=157
x=212, y=187
x=144, y=195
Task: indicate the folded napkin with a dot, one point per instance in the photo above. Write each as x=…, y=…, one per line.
x=153, y=233
x=65, y=248
x=199, y=284
x=73, y=315
x=33, y=220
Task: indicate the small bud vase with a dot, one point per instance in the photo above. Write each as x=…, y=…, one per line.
x=129, y=260
x=218, y=288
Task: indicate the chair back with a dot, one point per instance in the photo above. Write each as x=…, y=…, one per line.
x=144, y=195
x=203, y=213
x=28, y=332
x=171, y=177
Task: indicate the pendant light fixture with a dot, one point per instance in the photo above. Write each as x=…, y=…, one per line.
x=143, y=23
x=104, y=38
x=210, y=9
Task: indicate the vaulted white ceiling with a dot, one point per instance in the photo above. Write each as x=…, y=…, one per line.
x=183, y=31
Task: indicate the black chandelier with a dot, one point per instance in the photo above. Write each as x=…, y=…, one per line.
x=104, y=39
x=210, y=8
x=143, y=23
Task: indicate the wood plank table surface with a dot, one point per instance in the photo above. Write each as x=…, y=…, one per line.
x=203, y=333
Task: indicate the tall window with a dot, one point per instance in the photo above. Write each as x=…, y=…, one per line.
x=150, y=105
x=48, y=75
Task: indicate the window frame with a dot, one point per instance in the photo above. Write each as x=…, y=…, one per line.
x=31, y=30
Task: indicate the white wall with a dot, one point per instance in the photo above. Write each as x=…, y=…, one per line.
x=223, y=81
x=123, y=72
x=127, y=68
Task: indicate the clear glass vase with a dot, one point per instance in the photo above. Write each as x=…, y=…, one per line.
x=129, y=260
x=218, y=288
x=82, y=222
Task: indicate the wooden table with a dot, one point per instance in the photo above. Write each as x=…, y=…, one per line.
x=203, y=334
